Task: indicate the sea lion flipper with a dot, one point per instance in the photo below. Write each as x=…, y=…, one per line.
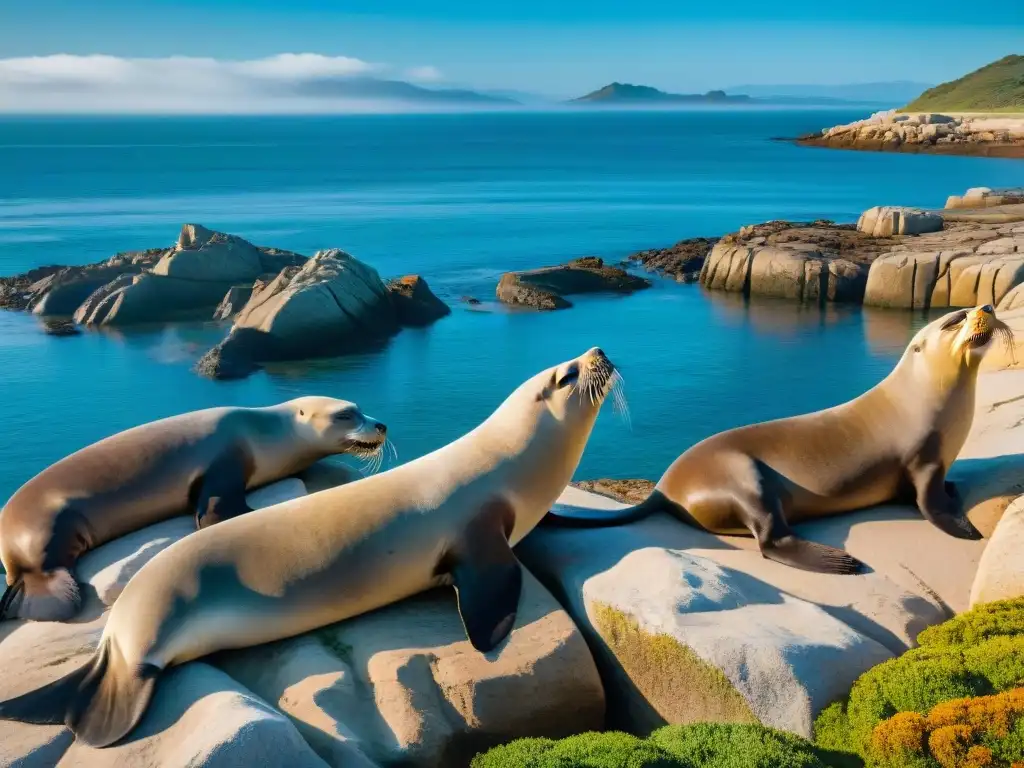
x=810, y=556
x=763, y=515
x=100, y=701
x=221, y=490
x=487, y=577
x=939, y=502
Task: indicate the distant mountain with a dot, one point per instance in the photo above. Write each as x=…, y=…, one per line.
x=373, y=89
x=894, y=92
x=996, y=86
x=624, y=93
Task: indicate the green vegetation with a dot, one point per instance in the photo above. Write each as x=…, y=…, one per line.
x=995, y=87
x=701, y=745
x=918, y=710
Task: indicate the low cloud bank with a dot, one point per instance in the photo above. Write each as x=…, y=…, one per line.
x=285, y=83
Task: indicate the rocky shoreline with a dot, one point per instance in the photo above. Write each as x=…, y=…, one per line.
x=932, y=133
x=284, y=306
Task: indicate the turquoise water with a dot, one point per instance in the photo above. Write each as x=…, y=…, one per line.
x=458, y=199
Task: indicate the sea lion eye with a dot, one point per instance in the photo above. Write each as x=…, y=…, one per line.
x=346, y=415
x=955, y=320
x=570, y=377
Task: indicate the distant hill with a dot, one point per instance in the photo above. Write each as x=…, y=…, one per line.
x=996, y=86
x=894, y=92
x=624, y=93
x=371, y=88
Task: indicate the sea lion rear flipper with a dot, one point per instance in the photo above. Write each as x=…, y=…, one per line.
x=939, y=502
x=52, y=596
x=487, y=577
x=100, y=701
x=221, y=490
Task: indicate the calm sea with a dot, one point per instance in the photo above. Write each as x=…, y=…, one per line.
x=458, y=199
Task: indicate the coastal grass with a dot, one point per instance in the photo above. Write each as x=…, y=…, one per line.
x=996, y=86
x=927, y=705
x=698, y=745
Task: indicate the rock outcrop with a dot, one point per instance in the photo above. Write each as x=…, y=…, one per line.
x=152, y=286
x=415, y=304
x=893, y=131
x=58, y=290
x=813, y=262
x=546, y=288
x=886, y=221
x=894, y=257
x=1000, y=573
x=682, y=261
x=985, y=197
x=189, y=280
x=688, y=626
x=333, y=305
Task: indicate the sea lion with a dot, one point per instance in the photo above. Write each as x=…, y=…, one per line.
x=893, y=443
x=203, y=460
x=450, y=517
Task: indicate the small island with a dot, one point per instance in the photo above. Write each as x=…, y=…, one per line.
x=625, y=93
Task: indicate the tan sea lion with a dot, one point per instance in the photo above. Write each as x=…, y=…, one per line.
x=893, y=443
x=203, y=460
x=450, y=517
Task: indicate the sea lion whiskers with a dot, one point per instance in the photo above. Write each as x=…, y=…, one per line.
x=619, y=403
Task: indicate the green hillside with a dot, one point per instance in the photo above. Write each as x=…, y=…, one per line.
x=998, y=86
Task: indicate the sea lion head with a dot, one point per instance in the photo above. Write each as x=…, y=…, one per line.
x=337, y=426
x=561, y=403
x=955, y=344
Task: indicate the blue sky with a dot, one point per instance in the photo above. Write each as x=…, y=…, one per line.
x=560, y=48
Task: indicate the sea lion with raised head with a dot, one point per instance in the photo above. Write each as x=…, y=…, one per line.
x=450, y=517
x=893, y=443
x=204, y=461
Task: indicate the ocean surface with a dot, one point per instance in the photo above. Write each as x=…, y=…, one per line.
x=458, y=199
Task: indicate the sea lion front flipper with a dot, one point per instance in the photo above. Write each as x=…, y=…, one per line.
x=939, y=502
x=221, y=490
x=487, y=576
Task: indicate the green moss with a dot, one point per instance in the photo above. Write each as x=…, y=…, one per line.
x=680, y=685
x=998, y=86
x=698, y=745
x=979, y=653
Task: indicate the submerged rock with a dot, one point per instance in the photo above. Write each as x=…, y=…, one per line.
x=545, y=288
x=683, y=261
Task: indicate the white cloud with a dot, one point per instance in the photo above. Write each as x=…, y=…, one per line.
x=287, y=82
x=426, y=74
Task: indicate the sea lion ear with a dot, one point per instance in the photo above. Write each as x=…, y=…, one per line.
x=548, y=388
x=487, y=577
